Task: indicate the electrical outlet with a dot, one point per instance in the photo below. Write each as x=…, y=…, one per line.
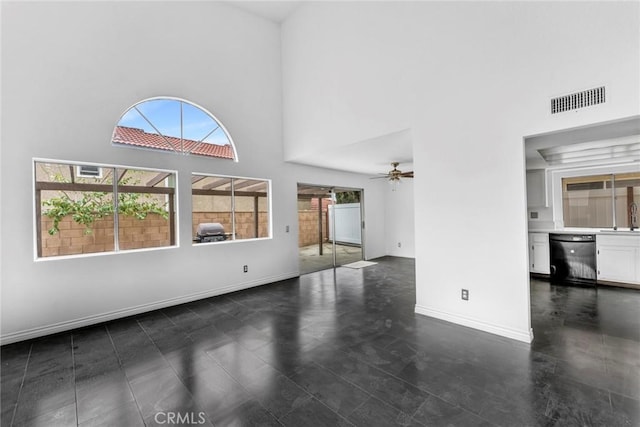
x=465, y=294
x=399, y=244
x=245, y=268
x=287, y=228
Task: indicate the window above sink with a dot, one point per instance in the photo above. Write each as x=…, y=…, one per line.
x=608, y=201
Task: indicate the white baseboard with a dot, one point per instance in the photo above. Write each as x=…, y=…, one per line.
x=130, y=311
x=524, y=336
x=400, y=256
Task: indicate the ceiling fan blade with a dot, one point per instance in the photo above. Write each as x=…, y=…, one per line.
x=395, y=174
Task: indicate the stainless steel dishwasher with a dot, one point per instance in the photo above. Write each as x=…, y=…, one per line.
x=573, y=259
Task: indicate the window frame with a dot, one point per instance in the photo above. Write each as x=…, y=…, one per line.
x=37, y=209
x=267, y=181
x=557, y=175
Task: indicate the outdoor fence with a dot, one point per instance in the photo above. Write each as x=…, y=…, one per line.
x=153, y=231
x=73, y=239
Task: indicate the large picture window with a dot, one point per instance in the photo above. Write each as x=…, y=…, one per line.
x=601, y=201
x=84, y=208
x=229, y=208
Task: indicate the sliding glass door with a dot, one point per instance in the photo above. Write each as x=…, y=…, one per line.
x=329, y=227
x=345, y=226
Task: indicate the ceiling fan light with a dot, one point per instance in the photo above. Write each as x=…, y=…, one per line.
x=394, y=181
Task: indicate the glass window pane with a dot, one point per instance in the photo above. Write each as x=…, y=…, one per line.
x=199, y=126
x=160, y=116
x=251, y=208
x=627, y=200
x=586, y=202
x=74, y=211
x=229, y=208
x=212, y=219
x=144, y=204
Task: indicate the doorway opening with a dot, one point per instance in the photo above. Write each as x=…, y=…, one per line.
x=329, y=227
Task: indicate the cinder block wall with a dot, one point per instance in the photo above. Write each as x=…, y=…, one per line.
x=73, y=238
x=153, y=231
x=245, y=223
x=308, y=227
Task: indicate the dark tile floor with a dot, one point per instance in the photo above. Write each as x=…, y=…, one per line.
x=335, y=349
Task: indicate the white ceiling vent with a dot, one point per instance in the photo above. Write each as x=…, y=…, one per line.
x=577, y=100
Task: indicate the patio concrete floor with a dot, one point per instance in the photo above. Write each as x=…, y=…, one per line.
x=310, y=259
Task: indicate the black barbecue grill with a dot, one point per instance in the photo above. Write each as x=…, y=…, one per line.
x=210, y=232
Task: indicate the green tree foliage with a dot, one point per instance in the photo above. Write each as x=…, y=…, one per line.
x=94, y=205
x=348, y=197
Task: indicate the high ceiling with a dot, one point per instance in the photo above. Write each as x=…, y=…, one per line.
x=371, y=156
x=375, y=155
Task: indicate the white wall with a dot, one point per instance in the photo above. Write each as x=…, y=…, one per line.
x=345, y=75
x=399, y=220
x=470, y=89
x=69, y=70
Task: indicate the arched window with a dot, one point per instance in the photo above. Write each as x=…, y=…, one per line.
x=176, y=125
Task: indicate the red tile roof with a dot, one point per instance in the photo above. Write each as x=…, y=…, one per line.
x=140, y=138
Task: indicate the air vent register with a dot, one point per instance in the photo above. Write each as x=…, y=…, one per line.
x=575, y=101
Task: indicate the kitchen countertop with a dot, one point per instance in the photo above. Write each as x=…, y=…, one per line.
x=587, y=231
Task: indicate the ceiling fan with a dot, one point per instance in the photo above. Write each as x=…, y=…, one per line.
x=395, y=174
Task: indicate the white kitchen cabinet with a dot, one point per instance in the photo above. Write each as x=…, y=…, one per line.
x=618, y=258
x=539, y=253
x=536, y=188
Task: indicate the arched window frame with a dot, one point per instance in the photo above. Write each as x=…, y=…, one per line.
x=181, y=150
